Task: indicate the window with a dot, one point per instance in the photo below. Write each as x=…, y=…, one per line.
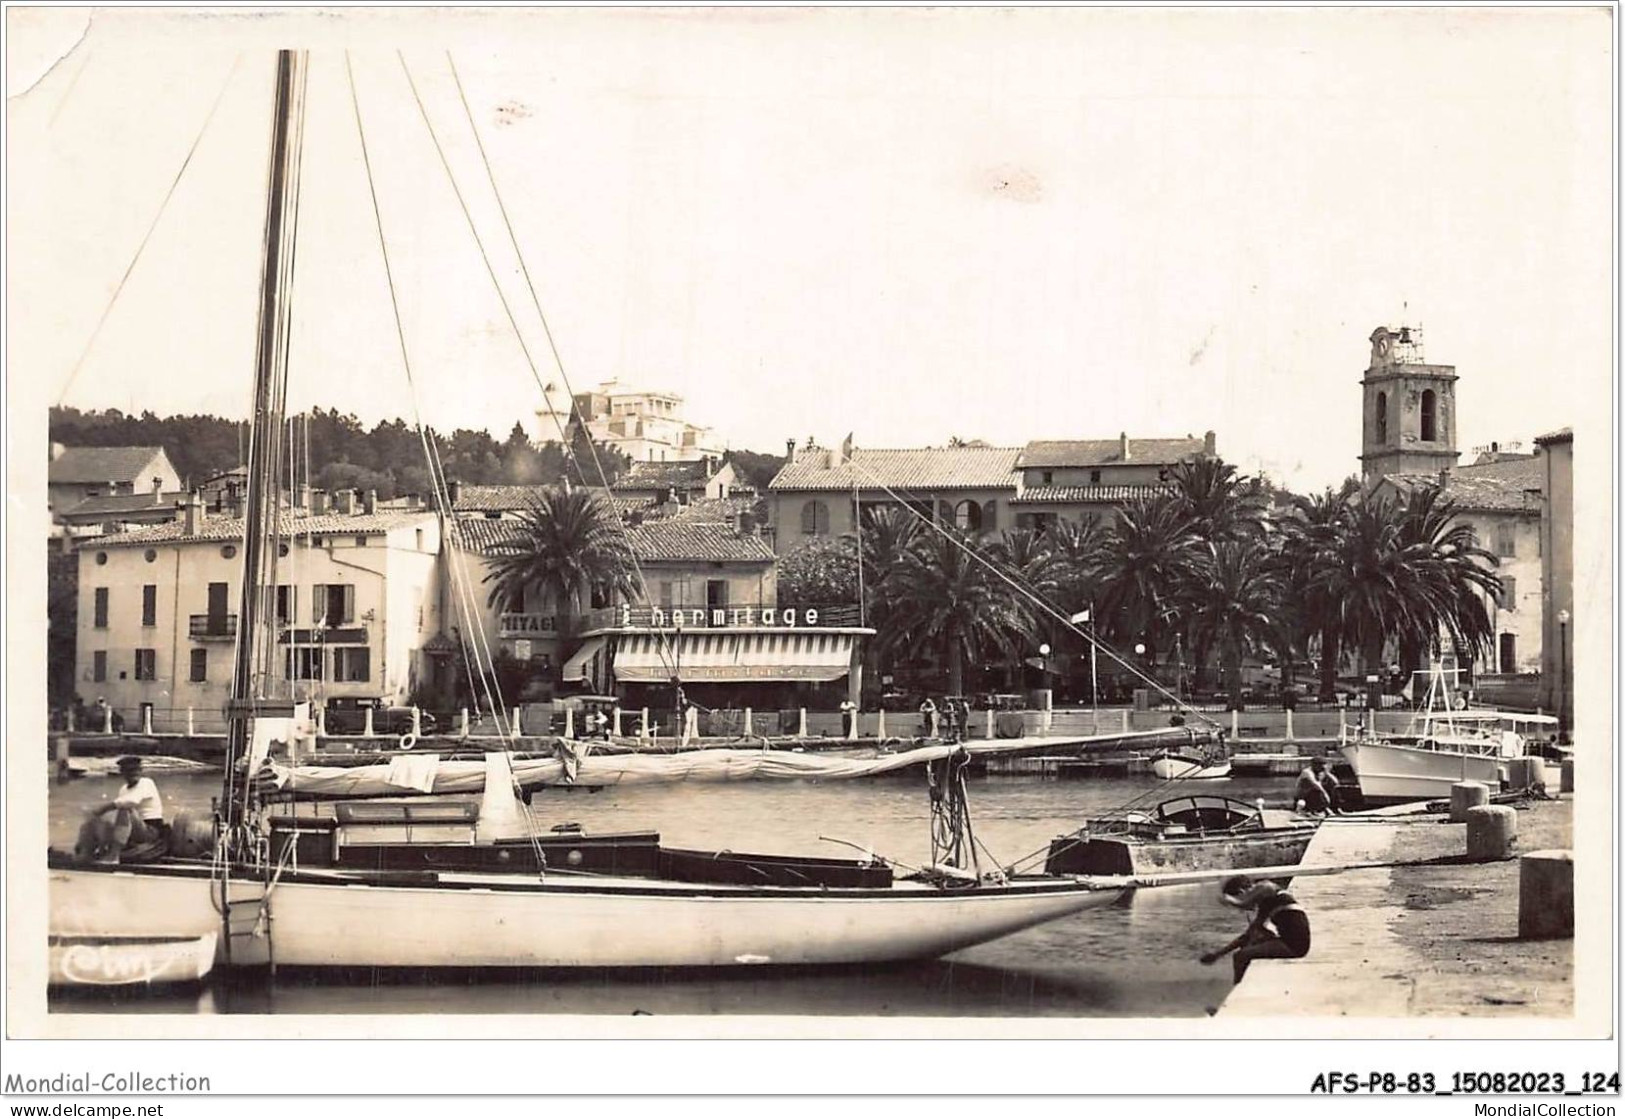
x=200, y=666
x=352, y=665
x=1509, y=653
x=1049, y=478
x=333, y=603
x=1094, y=477
x=287, y=604
x=149, y=605
x=305, y=663
x=1506, y=541
x=146, y=664
x=968, y=516
x=1382, y=417
x=98, y=665
x=665, y=594
x=101, y=608
x=1509, y=593
x=815, y=519
x=1430, y=416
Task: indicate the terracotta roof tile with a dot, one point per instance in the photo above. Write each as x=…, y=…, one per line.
x=915, y=468
x=231, y=528
x=1102, y=452
x=1487, y=494
x=659, y=475
x=115, y=505
x=671, y=540
x=102, y=464
x=1059, y=495
x=1526, y=472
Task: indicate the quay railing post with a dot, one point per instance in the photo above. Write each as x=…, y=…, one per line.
x=70, y=720
x=643, y=731
x=747, y=723
x=462, y=718
x=417, y=721
x=880, y=723
x=191, y=728
x=801, y=732
x=1290, y=737
x=1235, y=723
x=146, y=720
x=321, y=720
x=569, y=722
x=852, y=724
x=107, y=719
x=990, y=722
x=366, y=731
x=1125, y=720
x=616, y=713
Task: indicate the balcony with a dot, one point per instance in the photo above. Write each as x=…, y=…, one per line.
x=212, y=627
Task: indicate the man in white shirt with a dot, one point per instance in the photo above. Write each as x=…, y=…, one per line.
x=133, y=819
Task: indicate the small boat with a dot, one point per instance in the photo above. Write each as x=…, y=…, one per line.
x=1444, y=744
x=1189, y=767
x=1184, y=834
x=129, y=961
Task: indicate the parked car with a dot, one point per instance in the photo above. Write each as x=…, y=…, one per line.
x=348, y=715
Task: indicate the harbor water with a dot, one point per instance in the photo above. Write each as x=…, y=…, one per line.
x=1137, y=958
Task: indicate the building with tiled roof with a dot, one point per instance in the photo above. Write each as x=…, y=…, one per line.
x=116, y=512
x=79, y=473
x=358, y=596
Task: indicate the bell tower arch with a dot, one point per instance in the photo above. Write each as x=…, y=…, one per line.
x=1408, y=421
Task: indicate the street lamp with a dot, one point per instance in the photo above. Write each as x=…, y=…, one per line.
x=1043, y=651
x=1563, y=677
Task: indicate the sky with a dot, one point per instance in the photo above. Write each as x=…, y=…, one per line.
x=906, y=225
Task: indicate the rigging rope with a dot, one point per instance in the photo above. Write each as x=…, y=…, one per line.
x=156, y=218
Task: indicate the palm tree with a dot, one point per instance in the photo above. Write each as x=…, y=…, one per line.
x=946, y=599
x=1310, y=538
x=1145, y=559
x=1404, y=570
x=1221, y=503
x=569, y=546
x=1234, y=602
x=1075, y=546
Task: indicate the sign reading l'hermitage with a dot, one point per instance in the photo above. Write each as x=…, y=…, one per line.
x=655, y=617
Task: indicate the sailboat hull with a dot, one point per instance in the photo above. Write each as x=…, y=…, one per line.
x=1390, y=772
x=474, y=921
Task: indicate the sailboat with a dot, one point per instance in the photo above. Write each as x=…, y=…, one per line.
x=267, y=905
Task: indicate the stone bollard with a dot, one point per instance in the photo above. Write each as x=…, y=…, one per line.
x=1525, y=773
x=990, y=723
x=1492, y=831
x=1566, y=780
x=643, y=726
x=146, y=721
x=462, y=719
x=417, y=722
x=801, y=731
x=1546, y=895
x=321, y=721
x=191, y=725
x=616, y=713
x=880, y=723
x=61, y=749
x=1125, y=720
x=1465, y=795
x=366, y=731
x=107, y=720
x=569, y=722
x=1235, y=724
x=1290, y=737
x=748, y=731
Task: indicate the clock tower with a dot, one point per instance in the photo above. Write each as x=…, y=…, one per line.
x=1409, y=411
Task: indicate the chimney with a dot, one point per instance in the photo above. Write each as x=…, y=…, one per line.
x=157, y=491
x=344, y=502
x=1210, y=444
x=1122, y=446
x=318, y=503
x=370, y=503
x=1495, y=448
x=790, y=450
x=454, y=491
x=413, y=501
x=191, y=513
x=747, y=524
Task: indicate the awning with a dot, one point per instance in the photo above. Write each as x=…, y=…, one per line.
x=581, y=666
x=644, y=658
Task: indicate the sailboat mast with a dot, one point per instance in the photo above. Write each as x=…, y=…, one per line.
x=270, y=378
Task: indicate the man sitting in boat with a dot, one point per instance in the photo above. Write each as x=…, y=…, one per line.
x=1317, y=789
x=130, y=827
x=1279, y=929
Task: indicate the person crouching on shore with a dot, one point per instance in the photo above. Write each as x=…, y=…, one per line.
x=1279, y=929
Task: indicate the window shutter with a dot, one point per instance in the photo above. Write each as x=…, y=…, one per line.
x=990, y=516
x=1509, y=592
x=318, y=603
x=347, y=610
x=945, y=513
